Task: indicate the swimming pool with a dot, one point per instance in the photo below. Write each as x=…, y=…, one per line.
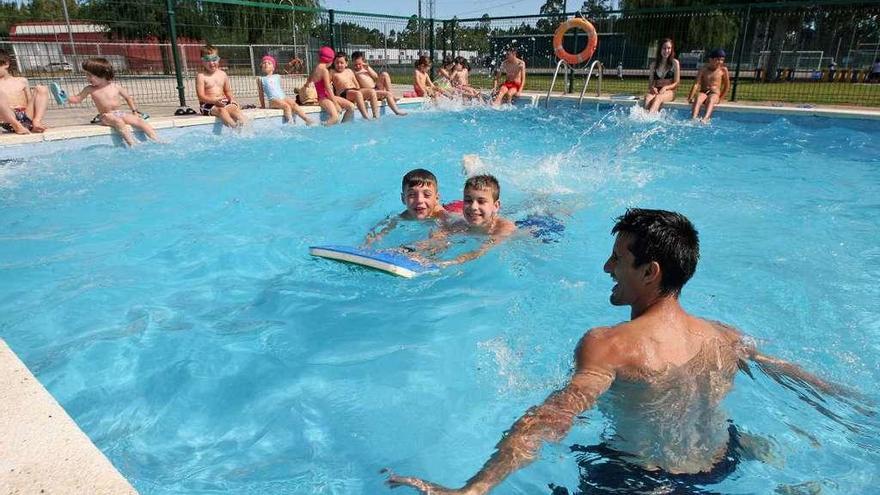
x=165, y=295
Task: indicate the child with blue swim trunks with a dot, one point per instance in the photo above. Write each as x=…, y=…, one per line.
x=269, y=88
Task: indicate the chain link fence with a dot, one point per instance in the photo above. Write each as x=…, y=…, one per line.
x=823, y=52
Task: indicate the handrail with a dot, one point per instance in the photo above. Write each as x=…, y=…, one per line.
x=555, y=75
x=589, y=75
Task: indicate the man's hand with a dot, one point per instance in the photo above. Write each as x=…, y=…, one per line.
x=424, y=487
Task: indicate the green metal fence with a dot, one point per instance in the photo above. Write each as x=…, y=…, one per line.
x=803, y=52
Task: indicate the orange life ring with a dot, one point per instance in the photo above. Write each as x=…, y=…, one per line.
x=587, y=52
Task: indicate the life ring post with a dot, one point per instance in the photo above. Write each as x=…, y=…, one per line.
x=584, y=55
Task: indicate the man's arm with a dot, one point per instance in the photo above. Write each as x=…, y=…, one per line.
x=549, y=422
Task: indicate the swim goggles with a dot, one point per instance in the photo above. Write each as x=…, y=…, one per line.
x=211, y=58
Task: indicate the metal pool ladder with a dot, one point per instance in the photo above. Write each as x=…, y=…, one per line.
x=588, y=72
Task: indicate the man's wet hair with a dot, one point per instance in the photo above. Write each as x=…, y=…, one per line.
x=418, y=177
x=666, y=237
x=357, y=55
x=484, y=183
x=99, y=67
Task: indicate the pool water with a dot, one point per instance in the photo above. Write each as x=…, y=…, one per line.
x=165, y=295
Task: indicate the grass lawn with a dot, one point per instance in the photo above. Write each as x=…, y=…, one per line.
x=823, y=93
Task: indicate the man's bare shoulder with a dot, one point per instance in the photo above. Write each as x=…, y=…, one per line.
x=611, y=345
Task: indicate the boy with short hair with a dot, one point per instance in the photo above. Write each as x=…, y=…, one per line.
x=23, y=108
x=370, y=80
x=514, y=70
x=481, y=206
x=347, y=86
x=106, y=95
x=711, y=85
x=422, y=84
x=215, y=91
x=419, y=193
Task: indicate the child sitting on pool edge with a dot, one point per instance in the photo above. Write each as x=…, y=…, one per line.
x=481, y=206
x=215, y=91
x=106, y=94
x=419, y=193
x=711, y=85
x=269, y=88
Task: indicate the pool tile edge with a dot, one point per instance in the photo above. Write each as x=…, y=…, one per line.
x=42, y=450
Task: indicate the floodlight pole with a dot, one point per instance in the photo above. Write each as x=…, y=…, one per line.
x=172, y=31
x=69, y=32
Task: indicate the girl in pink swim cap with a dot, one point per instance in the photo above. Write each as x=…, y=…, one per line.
x=269, y=88
x=330, y=103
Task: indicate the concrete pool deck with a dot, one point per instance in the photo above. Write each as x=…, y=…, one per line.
x=42, y=450
x=68, y=123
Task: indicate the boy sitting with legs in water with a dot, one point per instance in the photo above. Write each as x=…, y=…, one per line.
x=215, y=91
x=514, y=70
x=711, y=85
x=370, y=80
x=106, y=95
x=422, y=84
x=23, y=108
x=347, y=86
x=269, y=87
x=419, y=193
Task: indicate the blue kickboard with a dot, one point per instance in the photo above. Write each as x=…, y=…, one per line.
x=547, y=228
x=59, y=94
x=388, y=261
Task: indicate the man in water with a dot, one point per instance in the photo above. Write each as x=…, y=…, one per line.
x=666, y=373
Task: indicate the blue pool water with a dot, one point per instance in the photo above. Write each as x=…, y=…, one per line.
x=166, y=297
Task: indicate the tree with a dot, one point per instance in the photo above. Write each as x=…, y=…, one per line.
x=555, y=12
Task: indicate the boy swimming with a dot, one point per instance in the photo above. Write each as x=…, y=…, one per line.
x=419, y=193
x=481, y=204
x=106, y=95
x=711, y=85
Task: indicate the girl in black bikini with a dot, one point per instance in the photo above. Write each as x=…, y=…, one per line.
x=664, y=78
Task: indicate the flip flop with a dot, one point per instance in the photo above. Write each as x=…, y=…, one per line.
x=59, y=94
x=190, y=111
x=96, y=119
x=179, y=112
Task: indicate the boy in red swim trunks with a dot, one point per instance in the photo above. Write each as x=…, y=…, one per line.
x=330, y=103
x=514, y=70
x=21, y=107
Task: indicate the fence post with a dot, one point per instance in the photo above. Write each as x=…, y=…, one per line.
x=172, y=31
x=445, y=39
x=431, y=45
x=332, y=14
x=742, y=49
x=452, y=47
x=253, y=67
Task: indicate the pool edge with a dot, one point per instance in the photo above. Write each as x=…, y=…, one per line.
x=42, y=449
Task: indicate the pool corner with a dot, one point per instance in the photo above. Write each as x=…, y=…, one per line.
x=42, y=450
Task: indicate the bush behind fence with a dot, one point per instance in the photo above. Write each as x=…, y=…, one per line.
x=816, y=52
